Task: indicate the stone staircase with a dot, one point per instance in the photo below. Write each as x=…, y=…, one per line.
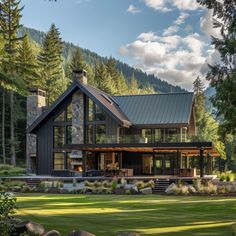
x=161, y=185
x=33, y=182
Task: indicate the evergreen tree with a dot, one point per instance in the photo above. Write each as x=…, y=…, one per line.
x=27, y=63
x=223, y=75
x=50, y=62
x=10, y=15
x=77, y=62
x=198, y=88
x=133, y=86
x=104, y=80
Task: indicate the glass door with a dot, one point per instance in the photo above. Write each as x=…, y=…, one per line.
x=164, y=164
x=147, y=164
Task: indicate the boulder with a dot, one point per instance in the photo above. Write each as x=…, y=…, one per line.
x=20, y=227
x=134, y=189
x=171, y=188
x=80, y=233
x=191, y=189
x=147, y=190
x=128, y=234
x=52, y=233
x=35, y=228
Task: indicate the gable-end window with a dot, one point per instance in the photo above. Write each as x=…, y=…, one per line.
x=68, y=134
x=90, y=110
x=100, y=131
x=100, y=115
x=89, y=134
x=69, y=112
x=60, y=116
x=58, y=161
x=59, y=136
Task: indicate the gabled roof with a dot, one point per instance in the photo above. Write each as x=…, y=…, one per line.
x=157, y=109
x=104, y=100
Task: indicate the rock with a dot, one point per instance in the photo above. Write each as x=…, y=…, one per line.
x=171, y=188
x=52, y=233
x=147, y=190
x=191, y=189
x=128, y=234
x=80, y=233
x=134, y=189
x=20, y=228
x=35, y=228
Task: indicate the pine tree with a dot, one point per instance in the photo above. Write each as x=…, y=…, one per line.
x=10, y=15
x=104, y=80
x=223, y=75
x=50, y=63
x=198, y=88
x=27, y=63
x=133, y=86
x=77, y=62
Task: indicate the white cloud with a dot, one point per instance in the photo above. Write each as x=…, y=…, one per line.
x=179, y=60
x=132, y=9
x=149, y=36
x=175, y=27
x=169, y=5
x=206, y=25
x=170, y=30
x=180, y=20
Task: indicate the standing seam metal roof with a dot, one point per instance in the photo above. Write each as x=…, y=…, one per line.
x=157, y=109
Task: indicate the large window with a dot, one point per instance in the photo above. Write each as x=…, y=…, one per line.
x=171, y=135
x=59, y=136
x=100, y=115
x=69, y=134
x=147, y=135
x=100, y=132
x=90, y=110
x=159, y=135
x=89, y=134
x=59, y=161
x=60, y=116
x=69, y=112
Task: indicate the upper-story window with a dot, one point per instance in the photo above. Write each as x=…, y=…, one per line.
x=69, y=112
x=90, y=110
x=100, y=115
x=147, y=135
x=60, y=116
x=62, y=130
x=159, y=135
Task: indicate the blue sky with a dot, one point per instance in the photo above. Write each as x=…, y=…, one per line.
x=169, y=38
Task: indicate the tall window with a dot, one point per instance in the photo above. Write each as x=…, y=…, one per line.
x=100, y=131
x=171, y=135
x=100, y=115
x=90, y=110
x=89, y=133
x=59, y=136
x=69, y=112
x=69, y=134
x=59, y=161
x=60, y=116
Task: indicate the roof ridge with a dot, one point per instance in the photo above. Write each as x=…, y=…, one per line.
x=153, y=94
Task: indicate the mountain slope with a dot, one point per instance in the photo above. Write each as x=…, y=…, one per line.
x=92, y=58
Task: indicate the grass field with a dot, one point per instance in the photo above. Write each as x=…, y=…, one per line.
x=106, y=215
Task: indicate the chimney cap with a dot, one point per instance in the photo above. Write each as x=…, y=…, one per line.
x=37, y=91
x=81, y=75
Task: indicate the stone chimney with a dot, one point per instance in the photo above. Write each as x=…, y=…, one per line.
x=36, y=101
x=80, y=75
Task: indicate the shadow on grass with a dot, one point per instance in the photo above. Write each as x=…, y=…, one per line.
x=149, y=215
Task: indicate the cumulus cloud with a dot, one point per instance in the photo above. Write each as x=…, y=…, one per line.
x=180, y=20
x=132, y=9
x=169, y=5
x=206, y=25
x=170, y=30
x=179, y=60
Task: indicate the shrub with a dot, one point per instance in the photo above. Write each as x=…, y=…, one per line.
x=8, y=170
x=210, y=189
x=221, y=189
x=97, y=184
x=183, y=190
x=140, y=185
x=226, y=176
x=107, y=184
x=150, y=184
x=7, y=209
x=114, y=184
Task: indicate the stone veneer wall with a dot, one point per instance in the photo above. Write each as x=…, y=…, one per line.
x=78, y=118
x=35, y=104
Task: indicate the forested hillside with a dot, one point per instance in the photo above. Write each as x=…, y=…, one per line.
x=92, y=58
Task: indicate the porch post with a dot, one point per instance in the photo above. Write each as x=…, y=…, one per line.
x=201, y=162
x=84, y=161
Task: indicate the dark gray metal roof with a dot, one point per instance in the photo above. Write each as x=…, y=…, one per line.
x=157, y=109
x=101, y=98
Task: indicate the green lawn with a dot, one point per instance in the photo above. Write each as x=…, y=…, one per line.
x=150, y=215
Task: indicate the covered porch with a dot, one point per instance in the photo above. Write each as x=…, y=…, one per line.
x=183, y=160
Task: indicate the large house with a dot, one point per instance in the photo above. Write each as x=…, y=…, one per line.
x=91, y=133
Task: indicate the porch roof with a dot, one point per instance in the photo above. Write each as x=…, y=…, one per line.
x=189, y=149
